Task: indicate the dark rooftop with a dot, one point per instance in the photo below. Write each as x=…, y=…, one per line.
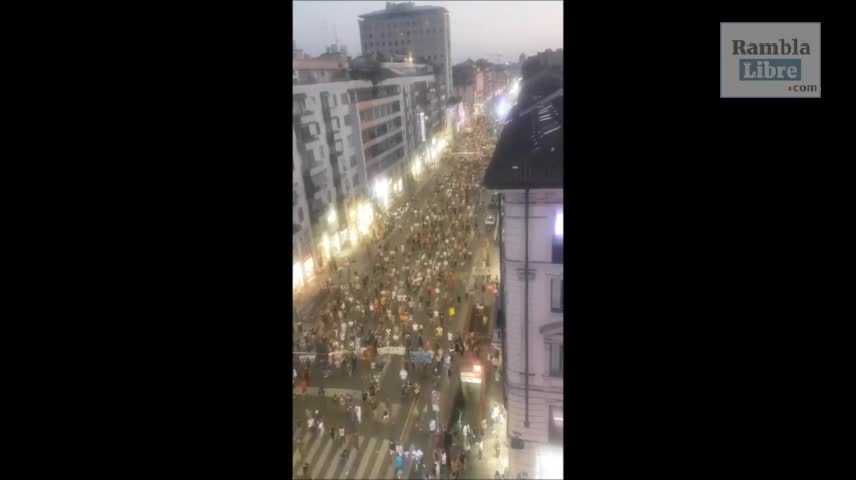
x=401, y=9
x=531, y=140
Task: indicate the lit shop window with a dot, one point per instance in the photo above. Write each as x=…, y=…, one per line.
x=308, y=268
x=557, y=426
x=549, y=463
x=297, y=278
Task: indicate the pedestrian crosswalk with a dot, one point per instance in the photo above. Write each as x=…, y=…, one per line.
x=324, y=455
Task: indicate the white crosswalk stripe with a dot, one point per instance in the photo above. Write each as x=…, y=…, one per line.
x=318, y=440
x=367, y=452
x=319, y=462
x=323, y=455
x=346, y=473
x=298, y=459
x=336, y=460
x=380, y=457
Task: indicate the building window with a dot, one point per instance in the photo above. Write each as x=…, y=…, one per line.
x=557, y=295
x=309, y=157
x=344, y=98
x=300, y=214
x=556, y=429
x=347, y=119
x=335, y=122
x=557, y=359
x=306, y=133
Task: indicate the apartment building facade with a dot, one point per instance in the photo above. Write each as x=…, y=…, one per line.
x=356, y=144
x=326, y=140
x=302, y=240
x=418, y=32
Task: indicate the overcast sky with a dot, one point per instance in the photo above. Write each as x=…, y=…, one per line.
x=479, y=29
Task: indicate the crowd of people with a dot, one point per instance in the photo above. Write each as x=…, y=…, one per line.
x=408, y=296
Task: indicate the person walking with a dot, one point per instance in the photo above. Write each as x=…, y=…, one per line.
x=305, y=382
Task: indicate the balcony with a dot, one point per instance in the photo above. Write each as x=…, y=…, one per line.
x=377, y=121
x=392, y=131
x=316, y=167
x=306, y=135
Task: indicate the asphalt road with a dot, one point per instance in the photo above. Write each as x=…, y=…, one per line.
x=403, y=425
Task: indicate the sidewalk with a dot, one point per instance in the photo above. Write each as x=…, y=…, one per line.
x=490, y=464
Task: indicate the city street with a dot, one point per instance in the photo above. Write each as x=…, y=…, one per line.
x=435, y=234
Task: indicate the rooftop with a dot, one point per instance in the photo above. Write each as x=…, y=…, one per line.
x=532, y=141
x=402, y=9
x=317, y=64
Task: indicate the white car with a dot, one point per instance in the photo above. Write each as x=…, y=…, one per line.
x=490, y=220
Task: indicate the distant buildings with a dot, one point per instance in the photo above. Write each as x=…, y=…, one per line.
x=477, y=82
x=420, y=33
x=331, y=66
x=553, y=59
x=317, y=70
x=527, y=171
x=468, y=81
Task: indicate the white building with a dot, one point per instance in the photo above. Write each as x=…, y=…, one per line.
x=302, y=240
x=527, y=171
x=418, y=32
x=357, y=144
x=326, y=138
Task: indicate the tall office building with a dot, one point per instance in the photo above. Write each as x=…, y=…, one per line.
x=418, y=32
x=527, y=172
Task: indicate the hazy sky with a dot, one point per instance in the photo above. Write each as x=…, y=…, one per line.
x=479, y=29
